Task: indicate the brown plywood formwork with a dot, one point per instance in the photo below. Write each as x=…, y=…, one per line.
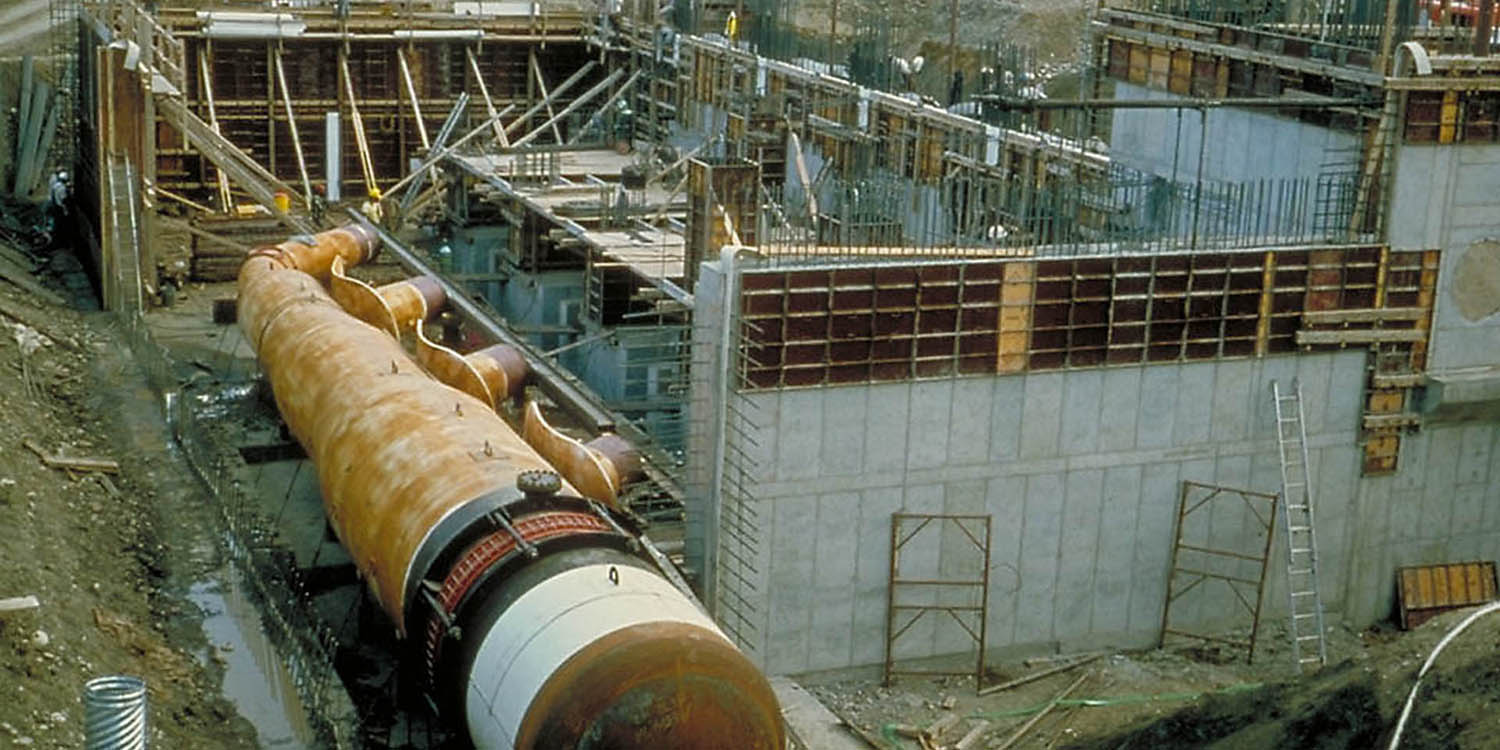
x=918, y=320
x=1425, y=591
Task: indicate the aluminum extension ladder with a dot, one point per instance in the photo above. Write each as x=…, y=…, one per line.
x=1297, y=520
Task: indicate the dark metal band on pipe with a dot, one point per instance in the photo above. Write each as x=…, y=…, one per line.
x=553, y=381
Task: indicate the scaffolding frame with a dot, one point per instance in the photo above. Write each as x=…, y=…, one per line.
x=1201, y=495
x=895, y=606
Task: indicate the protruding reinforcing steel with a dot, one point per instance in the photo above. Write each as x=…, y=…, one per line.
x=537, y=623
x=1297, y=521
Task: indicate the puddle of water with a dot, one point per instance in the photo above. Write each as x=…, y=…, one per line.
x=254, y=676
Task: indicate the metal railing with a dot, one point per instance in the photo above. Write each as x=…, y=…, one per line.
x=1124, y=212
x=1357, y=25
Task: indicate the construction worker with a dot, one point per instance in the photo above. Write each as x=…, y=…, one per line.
x=59, y=189
x=319, y=206
x=371, y=207
x=732, y=27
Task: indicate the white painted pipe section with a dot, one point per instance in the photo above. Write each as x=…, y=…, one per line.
x=245, y=17
x=551, y=622
x=333, y=157
x=444, y=34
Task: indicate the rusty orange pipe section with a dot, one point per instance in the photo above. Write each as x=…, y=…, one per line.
x=492, y=374
x=538, y=625
x=393, y=308
x=354, y=399
x=589, y=469
x=502, y=367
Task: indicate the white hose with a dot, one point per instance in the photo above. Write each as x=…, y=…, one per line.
x=1412, y=698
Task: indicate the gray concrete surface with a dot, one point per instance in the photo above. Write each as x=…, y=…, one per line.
x=1243, y=145
x=1445, y=198
x=811, y=725
x=1080, y=471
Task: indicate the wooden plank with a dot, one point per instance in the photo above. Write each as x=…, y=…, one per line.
x=1337, y=317
x=1017, y=294
x=108, y=466
x=1458, y=585
x=971, y=739
x=1386, y=401
x=1388, y=421
x=1472, y=578
x=1316, y=338
x=1032, y=722
x=19, y=604
x=23, y=279
x=1398, y=380
x=1039, y=675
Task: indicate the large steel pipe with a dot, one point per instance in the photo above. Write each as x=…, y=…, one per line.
x=537, y=624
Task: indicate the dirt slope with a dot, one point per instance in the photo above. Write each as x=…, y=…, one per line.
x=101, y=561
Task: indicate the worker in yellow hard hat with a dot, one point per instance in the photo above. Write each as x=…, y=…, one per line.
x=371, y=207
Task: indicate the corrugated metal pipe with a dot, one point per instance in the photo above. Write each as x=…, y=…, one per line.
x=114, y=713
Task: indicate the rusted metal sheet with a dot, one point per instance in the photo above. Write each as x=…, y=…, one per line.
x=392, y=308
x=1425, y=591
x=592, y=472
x=492, y=374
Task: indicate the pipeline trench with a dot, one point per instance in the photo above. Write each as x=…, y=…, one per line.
x=342, y=648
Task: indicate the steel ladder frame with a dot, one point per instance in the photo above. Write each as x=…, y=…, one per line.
x=1297, y=506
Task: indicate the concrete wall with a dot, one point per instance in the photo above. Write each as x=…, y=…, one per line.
x=1448, y=197
x=1243, y=144
x=1081, y=472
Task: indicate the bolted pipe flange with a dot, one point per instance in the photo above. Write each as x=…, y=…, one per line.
x=538, y=483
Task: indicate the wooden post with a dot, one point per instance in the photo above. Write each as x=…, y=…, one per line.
x=541, y=85
x=357, y=122
x=1483, y=27
x=226, y=202
x=291, y=121
x=484, y=91
x=411, y=93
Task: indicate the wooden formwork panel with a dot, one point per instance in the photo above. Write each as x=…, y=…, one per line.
x=1024, y=315
x=1180, y=79
x=1425, y=591
x=870, y=324
x=1119, y=59
x=250, y=106
x=1161, y=68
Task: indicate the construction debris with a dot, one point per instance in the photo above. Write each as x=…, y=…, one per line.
x=58, y=461
x=1032, y=722
x=19, y=604
x=1039, y=675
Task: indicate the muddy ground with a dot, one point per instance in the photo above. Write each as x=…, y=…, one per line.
x=1188, y=696
x=110, y=557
